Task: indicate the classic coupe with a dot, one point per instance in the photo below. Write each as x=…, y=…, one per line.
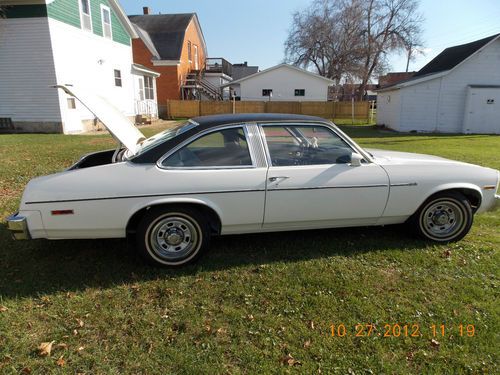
x=245, y=173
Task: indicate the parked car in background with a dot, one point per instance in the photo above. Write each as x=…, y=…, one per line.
x=245, y=173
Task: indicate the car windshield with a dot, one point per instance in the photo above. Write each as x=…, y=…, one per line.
x=165, y=135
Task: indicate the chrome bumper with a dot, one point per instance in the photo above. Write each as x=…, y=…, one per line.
x=18, y=226
x=496, y=203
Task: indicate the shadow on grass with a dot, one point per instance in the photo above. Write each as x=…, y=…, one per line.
x=32, y=268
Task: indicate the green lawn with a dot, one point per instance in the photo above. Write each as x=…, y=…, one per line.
x=255, y=303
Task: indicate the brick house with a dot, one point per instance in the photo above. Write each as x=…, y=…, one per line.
x=171, y=44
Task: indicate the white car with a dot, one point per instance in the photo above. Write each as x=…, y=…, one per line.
x=245, y=173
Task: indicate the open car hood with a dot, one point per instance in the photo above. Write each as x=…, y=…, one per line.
x=116, y=122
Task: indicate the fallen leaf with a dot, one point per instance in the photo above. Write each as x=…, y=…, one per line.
x=80, y=323
x=75, y=332
x=61, y=362
x=311, y=324
x=26, y=370
x=3, y=308
x=81, y=348
x=307, y=344
x=221, y=331
x=290, y=361
x=435, y=343
x=447, y=253
x=208, y=328
x=250, y=317
x=45, y=348
x=62, y=346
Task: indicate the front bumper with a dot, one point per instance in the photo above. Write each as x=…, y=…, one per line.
x=18, y=226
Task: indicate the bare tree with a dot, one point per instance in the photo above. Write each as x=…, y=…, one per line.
x=389, y=25
x=323, y=37
x=342, y=38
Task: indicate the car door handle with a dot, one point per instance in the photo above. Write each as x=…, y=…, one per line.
x=276, y=178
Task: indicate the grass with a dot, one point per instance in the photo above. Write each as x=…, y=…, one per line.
x=255, y=303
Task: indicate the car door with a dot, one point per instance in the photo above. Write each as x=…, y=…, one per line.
x=225, y=169
x=311, y=181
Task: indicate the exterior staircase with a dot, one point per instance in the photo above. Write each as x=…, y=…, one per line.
x=196, y=87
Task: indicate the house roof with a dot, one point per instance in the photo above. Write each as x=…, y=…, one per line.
x=445, y=62
x=164, y=34
x=278, y=67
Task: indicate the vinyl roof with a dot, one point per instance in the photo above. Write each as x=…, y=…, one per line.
x=166, y=32
x=215, y=120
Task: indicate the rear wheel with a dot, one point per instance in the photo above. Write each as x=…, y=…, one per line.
x=172, y=237
x=444, y=217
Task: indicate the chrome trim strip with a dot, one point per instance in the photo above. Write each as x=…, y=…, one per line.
x=404, y=184
x=208, y=192
x=255, y=143
x=149, y=196
x=329, y=187
x=199, y=135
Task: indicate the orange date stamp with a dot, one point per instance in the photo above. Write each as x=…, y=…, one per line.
x=402, y=330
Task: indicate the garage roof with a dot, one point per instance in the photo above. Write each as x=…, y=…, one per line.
x=443, y=63
x=453, y=56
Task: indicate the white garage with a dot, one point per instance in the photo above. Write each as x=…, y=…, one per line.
x=457, y=92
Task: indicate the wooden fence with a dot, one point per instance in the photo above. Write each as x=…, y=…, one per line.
x=329, y=110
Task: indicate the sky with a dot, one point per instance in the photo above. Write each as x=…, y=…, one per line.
x=255, y=30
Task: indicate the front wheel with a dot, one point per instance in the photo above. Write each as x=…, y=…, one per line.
x=444, y=217
x=172, y=237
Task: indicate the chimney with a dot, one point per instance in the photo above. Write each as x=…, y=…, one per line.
x=146, y=10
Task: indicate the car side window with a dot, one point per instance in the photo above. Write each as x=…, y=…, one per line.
x=224, y=148
x=305, y=145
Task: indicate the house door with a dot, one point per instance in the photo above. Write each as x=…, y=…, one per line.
x=196, y=64
x=311, y=183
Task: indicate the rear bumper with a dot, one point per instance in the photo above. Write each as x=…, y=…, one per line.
x=18, y=226
x=496, y=203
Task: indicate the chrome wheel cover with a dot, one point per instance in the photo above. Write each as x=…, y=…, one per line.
x=442, y=220
x=173, y=238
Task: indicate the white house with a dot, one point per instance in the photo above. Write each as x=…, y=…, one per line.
x=282, y=83
x=457, y=92
x=85, y=43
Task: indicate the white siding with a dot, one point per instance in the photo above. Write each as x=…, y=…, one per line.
x=419, y=106
x=481, y=69
x=87, y=60
x=283, y=81
x=27, y=71
x=389, y=109
x=438, y=105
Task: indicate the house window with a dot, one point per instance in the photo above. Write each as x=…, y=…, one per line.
x=300, y=92
x=85, y=15
x=118, y=78
x=149, y=90
x=267, y=92
x=189, y=50
x=106, y=22
x=141, y=89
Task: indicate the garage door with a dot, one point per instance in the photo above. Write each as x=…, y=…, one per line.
x=482, y=110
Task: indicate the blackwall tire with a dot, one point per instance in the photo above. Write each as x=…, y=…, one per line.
x=444, y=217
x=173, y=236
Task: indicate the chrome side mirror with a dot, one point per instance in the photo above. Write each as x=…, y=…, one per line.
x=356, y=160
